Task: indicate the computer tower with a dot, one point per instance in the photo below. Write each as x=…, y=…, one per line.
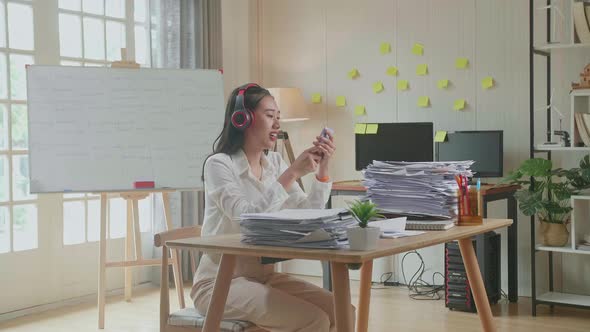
x=457, y=290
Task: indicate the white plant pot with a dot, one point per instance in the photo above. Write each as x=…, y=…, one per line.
x=363, y=238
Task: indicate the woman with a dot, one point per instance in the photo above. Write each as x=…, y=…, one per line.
x=242, y=176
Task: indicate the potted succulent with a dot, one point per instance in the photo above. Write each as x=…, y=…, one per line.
x=546, y=192
x=363, y=237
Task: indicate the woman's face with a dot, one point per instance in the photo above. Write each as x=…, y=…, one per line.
x=263, y=132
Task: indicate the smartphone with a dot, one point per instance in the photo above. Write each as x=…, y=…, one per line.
x=326, y=131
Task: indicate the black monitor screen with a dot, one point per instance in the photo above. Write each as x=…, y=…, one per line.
x=412, y=141
x=483, y=147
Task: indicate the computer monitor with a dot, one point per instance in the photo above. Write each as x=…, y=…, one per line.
x=485, y=147
x=409, y=141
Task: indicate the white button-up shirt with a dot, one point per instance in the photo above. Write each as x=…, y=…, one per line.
x=231, y=189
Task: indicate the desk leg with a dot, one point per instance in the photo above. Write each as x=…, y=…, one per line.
x=220, y=291
x=342, y=305
x=326, y=275
x=102, y=254
x=512, y=251
x=477, y=287
x=362, y=322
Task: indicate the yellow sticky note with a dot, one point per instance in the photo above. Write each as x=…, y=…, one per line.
x=487, y=82
x=385, y=48
x=459, y=104
x=354, y=73
x=402, y=85
x=391, y=71
x=442, y=84
x=360, y=128
x=440, y=136
x=461, y=63
x=422, y=69
x=377, y=87
x=418, y=49
x=316, y=98
x=340, y=101
x=423, y=101
x=372, y=128
x=360, y=110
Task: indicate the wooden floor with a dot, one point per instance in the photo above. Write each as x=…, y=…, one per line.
x=391, y=310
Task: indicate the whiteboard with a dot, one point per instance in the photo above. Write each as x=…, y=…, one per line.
x=102, y=129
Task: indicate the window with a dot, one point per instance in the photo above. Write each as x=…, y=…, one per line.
x=18, y=207
x=92, y=33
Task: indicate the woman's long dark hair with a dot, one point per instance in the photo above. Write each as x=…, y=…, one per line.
x=231, y=140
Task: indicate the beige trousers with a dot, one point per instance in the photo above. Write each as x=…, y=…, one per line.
x=278, y=303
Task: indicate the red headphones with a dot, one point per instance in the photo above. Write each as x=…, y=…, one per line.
x=242, y=117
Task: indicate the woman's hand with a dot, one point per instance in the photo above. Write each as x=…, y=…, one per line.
x=326, y=148
x=306, y=163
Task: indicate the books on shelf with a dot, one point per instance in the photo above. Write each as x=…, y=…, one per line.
x=581, y=22
x=582, y=122
x=584, y=246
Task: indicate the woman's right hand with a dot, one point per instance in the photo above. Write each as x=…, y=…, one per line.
x=306, y=163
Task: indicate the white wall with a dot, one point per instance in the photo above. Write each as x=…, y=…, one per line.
x=312, y=44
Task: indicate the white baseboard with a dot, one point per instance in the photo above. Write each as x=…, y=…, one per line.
x=68, y=302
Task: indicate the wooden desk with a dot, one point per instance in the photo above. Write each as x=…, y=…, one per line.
x=489, y=193
x=229, y=246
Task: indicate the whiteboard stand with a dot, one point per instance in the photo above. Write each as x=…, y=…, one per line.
x=133, y=235
x=132, y=246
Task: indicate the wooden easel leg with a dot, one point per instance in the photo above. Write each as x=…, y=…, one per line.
x=137, y=237
x=477, y=287
x=291, y=156
x=128, y=250
x=175, y=259
x=102, y=260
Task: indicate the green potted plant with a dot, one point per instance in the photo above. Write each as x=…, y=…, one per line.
x=546, y=192
x=363, y=237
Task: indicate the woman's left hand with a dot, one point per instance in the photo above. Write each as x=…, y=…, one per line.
x=326, y=148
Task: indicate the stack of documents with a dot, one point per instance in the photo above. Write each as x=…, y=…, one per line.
x=420, y=189
x=304, y=228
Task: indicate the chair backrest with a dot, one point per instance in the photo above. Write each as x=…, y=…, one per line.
x=160, y=241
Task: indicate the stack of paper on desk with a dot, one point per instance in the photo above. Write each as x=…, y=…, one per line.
x=424, y=189
x=305, y=228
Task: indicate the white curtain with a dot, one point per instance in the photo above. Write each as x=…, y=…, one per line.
x=185, y=34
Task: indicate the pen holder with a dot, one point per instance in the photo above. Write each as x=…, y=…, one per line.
x=469, y=208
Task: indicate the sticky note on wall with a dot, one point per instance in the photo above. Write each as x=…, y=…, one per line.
x=423, y=101
x=353, y=73
x=385, y=48
x=418, y=49
x=340, y=101
x=440, y=136
x=377, y=87
x=372, y=128
x=360, y=128
x=402, y=85
x=487, y=82
x=459, y=104
x=422, y=69
x=360, y=110
x=442, y=84
x=316, y=98
x=391, y=71
x=461, y=63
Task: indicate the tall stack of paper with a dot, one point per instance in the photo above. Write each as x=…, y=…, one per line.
x=423, y=189
x=305, y=228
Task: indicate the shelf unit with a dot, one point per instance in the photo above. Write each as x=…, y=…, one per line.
x=580, y=101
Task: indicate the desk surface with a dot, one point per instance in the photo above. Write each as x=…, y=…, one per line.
x=487, y=189
x=230, y=244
